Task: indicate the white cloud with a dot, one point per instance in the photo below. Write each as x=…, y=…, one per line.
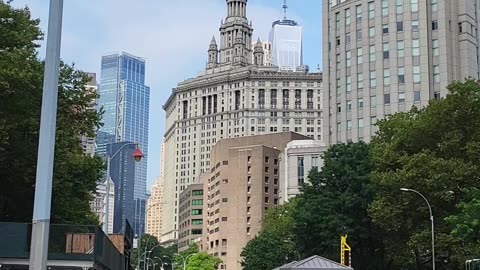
x=173, y=36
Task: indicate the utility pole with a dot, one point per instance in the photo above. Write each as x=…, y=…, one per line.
x=46, y=147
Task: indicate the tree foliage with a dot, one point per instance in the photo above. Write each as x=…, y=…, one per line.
x=203, y=261
x=21, y=82
x=335, y=203
x=150, y=246
x=435, y=151
x=274, y=246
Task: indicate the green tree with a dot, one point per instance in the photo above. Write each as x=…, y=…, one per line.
x=21, y=77
x=149, y=247
x=274, y=245
x=203, y=261
x=435, y=150
x=334, y=203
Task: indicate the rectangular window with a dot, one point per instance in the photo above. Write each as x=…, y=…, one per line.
x=416, y=74
x=372, y=53
x=399, y=26
x=360, y=81
x=416, y=96
x=197, y=202
x=359, y=34
x=386, y=77
x=414, y=5
x=373, y=101
x=197, y=222
x=348, y=58
x=337, y=20
x=384, y=8
x=358, y=10
x=399, y=5
x=349, y=105
x=415, y=47
x=348, y=40
x=386, y=99
x=339, y=107
x=385, y=29
x=434, y=5
x=401, y=49
x=434, y=25
x=401, y=75
x=339, y=85
x=347, y=17
x=436, y=73
x=300, y=171
x=349, y=124
x=360, y=56
x=414, y=25
x=371, y=10
x=360, y=103
x=315, y=163
x=386, y=52
x=197, y=193
x=197, y=212
x=401, y=97
x=373, y=79
x=349, y=83
x=435, y=47
x=373, y=120
x=360, y=122
x=371, y=32
x=338, y=62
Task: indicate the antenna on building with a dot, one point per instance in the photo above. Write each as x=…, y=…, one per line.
x=285, y=7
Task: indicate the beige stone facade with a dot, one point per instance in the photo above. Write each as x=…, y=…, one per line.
x=385, y=56
x=235, y=97
x=154, y=206
x=190, y=216
x=243, y=182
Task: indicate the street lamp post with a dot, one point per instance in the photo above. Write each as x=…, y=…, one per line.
x=46, y=147
x=161, y=261
x=185, y=259
x=431, y=219
x=171, y=260
x=137, y=155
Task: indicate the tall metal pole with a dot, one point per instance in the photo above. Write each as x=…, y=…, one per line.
x=431, y=219
x=107, y=199
x=46, y=147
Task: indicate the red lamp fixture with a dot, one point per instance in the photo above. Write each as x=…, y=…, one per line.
x=137, y=155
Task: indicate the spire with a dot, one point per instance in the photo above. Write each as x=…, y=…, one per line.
x=259, y=42
x=285, y=7
x=213, y=42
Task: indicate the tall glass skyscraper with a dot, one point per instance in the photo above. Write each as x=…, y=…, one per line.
x=286, y=39
x=125, y=100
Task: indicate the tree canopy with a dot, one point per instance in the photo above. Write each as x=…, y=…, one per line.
x=21, y=82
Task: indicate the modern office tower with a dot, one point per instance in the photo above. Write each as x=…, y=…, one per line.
x=100, y=199
x=88, y=143
x=125, y=100
x=267, y=53
x=286, y=40
x=385, y=56
x=244, y=180
x=234, y=98
x=191, y=216
x=301, y=156
x=154, y=209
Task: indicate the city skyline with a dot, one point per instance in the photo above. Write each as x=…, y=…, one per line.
x=170, y=59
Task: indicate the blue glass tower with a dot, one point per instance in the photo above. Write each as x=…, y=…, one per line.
x=125, y=100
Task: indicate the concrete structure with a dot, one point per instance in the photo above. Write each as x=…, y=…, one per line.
x=99, y=201
x=287, y=43
x=385, y=56
x=267, y=53
x=300, y=158
x=234, y=98
x=154, y=212
x=190, y=216
x=243, y=182
x=125, y=99
x=88, y=143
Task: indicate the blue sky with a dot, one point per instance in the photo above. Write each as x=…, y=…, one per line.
x=173, y=37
